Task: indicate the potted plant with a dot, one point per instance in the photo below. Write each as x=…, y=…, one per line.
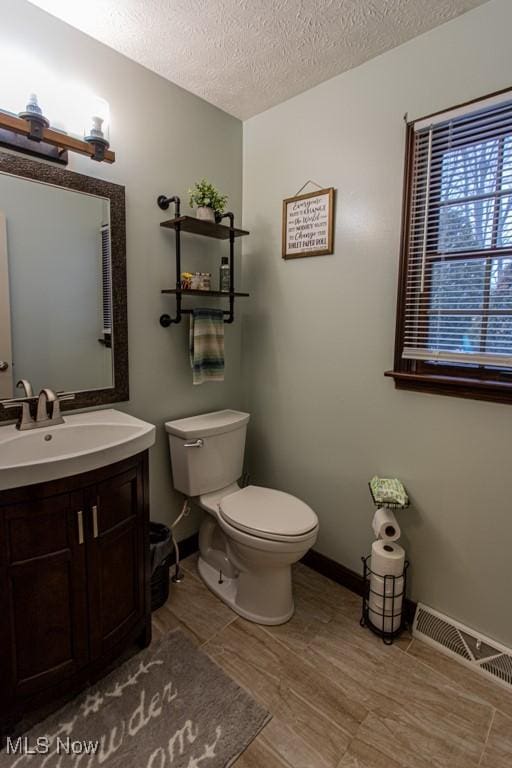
x=208, y=200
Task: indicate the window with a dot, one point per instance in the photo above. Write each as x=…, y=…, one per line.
x=454, y=317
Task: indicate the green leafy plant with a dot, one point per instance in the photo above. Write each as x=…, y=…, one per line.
x=204, y=194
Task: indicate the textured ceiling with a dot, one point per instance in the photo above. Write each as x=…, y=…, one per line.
x=244, y=56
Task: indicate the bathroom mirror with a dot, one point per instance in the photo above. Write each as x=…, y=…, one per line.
x=62, y=283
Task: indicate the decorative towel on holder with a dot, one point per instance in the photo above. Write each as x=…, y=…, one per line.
x=388, y=492
x=207, y=345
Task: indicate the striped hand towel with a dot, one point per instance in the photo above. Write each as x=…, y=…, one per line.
x=207, y=345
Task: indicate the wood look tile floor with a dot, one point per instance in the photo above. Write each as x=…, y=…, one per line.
x=339, y=697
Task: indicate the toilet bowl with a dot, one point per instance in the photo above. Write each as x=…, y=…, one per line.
x=265, y=533
x=250, y=537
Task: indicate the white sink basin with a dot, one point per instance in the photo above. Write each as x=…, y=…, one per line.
x=84, y=442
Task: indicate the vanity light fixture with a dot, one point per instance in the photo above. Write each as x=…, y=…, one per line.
x=33, y=114
x=30, y=132
x=96, y=139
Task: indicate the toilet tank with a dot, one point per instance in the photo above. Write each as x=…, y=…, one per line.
x=207, y=451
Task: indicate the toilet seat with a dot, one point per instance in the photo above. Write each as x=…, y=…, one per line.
x=267, y=513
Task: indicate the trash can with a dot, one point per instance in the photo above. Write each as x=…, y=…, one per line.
x=160, y=545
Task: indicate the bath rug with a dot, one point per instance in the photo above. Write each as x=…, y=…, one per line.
x=170, y=706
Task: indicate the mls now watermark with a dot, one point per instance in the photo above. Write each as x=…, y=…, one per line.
x=45, y=746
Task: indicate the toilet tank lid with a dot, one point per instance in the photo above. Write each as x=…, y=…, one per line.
x=207, y=424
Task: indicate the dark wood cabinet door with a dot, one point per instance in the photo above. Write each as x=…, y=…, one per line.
x=43, y=593
x=116, y=542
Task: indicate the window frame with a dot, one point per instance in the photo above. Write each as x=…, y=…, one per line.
x=480, y=383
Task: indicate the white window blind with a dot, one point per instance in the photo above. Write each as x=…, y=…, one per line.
x=458, y=282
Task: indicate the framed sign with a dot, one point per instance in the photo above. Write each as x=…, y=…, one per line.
x=308, y=224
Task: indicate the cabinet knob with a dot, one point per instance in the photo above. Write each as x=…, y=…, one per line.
x=4, y=365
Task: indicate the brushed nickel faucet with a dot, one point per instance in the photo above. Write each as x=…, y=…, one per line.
x=47, y=406
x=26, y=386
x=25, y=420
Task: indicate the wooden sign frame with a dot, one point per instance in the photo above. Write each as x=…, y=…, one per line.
x=324, y=249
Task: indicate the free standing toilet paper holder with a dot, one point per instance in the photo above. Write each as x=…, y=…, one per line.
x=393, y=603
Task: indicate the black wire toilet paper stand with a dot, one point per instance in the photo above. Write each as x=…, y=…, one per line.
x=395, y=587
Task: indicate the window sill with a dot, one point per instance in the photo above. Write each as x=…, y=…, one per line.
x=454, y=386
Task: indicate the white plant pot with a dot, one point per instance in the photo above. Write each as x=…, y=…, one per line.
x=205, y=213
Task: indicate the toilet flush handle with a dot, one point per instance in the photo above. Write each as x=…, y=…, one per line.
x=194, y=444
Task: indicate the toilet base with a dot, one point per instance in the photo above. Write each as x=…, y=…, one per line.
x=227, y=592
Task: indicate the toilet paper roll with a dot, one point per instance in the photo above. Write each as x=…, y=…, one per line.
x=385, y=525
x=384, y=623
x=385, y=606
x=382, y=587
x=387, y=558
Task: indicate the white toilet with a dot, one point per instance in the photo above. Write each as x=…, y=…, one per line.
x=251, y=536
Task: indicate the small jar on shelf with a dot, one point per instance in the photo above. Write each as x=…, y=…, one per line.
x=201, y=281
x=186, y=280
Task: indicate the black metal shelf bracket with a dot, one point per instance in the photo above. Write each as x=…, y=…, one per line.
x=163, y=203
x=231, y=216
x=166, y=320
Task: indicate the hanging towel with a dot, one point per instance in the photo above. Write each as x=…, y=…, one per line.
x=207, y=345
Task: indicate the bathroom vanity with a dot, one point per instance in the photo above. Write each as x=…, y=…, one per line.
x=74, y=556
x=73, y=580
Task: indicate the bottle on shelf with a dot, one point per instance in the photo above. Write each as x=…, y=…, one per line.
x=224, y=275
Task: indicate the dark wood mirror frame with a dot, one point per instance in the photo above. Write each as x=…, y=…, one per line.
x=48, y=174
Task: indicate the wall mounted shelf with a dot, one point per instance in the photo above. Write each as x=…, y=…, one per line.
x=205, y=229
x=193, y=292
x=201, y=227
